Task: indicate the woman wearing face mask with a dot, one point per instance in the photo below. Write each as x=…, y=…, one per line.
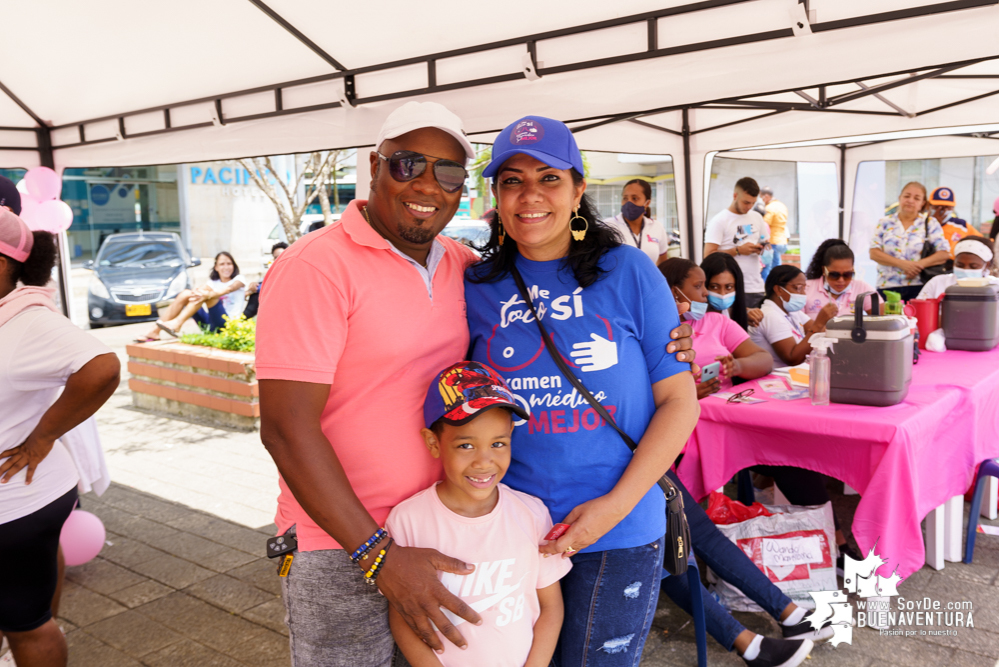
x=974, y=257
x=897, y=244
x=716, y=337
x=785, y=329
x=634, y=224
x=832, y=288
x=726, y=290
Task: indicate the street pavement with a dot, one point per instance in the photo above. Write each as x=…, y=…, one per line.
x=182, y=580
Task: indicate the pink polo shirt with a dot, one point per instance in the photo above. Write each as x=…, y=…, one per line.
x=816, y=297
x=342, y=308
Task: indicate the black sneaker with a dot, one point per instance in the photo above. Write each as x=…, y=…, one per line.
x=845, y=549
x=804, y=630
x=781, y=653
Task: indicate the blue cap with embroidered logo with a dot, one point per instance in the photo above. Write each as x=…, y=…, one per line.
x=463, y=390
x=942, y=197
x=544, y=139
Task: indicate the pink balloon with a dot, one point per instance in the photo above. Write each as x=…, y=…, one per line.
x=50, y=216
x=43, y=183
x=82, y=537
x=29, y=210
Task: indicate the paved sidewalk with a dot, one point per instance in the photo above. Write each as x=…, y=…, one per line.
x=174, y=587
x=183, y=581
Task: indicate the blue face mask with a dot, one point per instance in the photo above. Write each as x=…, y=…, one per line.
x=697, y=308
x=719, y=302
x=968, y=273
x=632, y=211
x=795, y=303
x=833, y=290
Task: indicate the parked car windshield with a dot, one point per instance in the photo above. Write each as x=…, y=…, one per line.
x=141, y=254
x=469, y=232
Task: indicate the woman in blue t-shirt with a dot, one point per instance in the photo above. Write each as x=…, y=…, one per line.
x=610, y=314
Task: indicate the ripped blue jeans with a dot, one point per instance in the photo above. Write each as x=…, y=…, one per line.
x=610, y=599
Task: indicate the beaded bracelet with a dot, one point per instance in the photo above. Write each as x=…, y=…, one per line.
x=376, y=567
x=365, y=551
x=379, y=535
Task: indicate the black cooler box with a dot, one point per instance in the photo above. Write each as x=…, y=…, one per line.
x=971, y=317
x=871, y=361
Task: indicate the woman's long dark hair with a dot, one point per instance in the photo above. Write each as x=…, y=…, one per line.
x=583, y=258
x=36, y=271
x=646, y=189
x=780, y=277
x=720, y=262
x=828, y=251
x=214, y=275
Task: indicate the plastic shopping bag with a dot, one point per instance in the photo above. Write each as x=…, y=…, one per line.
x=794, y=546
x=723, y=511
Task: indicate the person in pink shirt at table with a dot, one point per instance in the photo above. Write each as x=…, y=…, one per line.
x=832, y=287
x=716, y=337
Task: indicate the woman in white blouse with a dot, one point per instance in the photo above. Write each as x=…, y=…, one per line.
x=53, y=376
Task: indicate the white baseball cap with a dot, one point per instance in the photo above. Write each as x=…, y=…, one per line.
x=416, y=115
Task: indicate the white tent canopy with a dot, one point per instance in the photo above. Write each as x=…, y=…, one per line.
x=193, y=81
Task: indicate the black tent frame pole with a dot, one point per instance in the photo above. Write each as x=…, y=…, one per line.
x=688, y=190
x=842, y=188
x=47, y=159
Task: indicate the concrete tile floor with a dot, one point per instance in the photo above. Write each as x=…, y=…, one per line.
x=182, y=581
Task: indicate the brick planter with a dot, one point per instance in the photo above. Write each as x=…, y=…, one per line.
x=199, y=383
x=793, y=260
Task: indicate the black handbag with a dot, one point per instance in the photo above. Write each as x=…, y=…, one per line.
x=929, y=273
x=677, y=531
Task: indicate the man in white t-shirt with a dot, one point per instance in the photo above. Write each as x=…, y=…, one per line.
x=738, y=231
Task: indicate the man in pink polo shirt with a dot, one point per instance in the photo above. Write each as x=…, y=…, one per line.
x=355, y=321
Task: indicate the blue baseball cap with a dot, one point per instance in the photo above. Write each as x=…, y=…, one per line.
x=463, y=390
x=544, y=139
x=9, y=196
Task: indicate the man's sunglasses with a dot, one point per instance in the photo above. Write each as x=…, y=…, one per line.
x=406, y=165
x=836, y=275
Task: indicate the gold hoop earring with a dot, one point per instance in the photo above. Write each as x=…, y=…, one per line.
x=578, y=234
x=501, y=233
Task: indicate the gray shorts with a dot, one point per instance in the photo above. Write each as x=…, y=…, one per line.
x=334, y=618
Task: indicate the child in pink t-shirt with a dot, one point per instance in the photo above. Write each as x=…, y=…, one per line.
x=470, y=516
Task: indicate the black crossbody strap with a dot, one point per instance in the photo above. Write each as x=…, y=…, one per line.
x=667, y=486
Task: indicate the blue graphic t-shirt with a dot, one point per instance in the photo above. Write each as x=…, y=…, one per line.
x=613, y=335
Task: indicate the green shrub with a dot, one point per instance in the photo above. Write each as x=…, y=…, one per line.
x=238, y=334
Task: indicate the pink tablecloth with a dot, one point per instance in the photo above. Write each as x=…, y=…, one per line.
x=905, y=460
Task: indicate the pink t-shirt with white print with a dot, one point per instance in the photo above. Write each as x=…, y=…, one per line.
x=503, y=545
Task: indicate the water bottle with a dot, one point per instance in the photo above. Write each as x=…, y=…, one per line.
x=893, y=303
x=819, y=366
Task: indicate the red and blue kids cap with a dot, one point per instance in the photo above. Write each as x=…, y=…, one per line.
x=544, y=139
x=463, y=390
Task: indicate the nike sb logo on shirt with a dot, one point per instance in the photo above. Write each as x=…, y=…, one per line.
x=490, y=579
